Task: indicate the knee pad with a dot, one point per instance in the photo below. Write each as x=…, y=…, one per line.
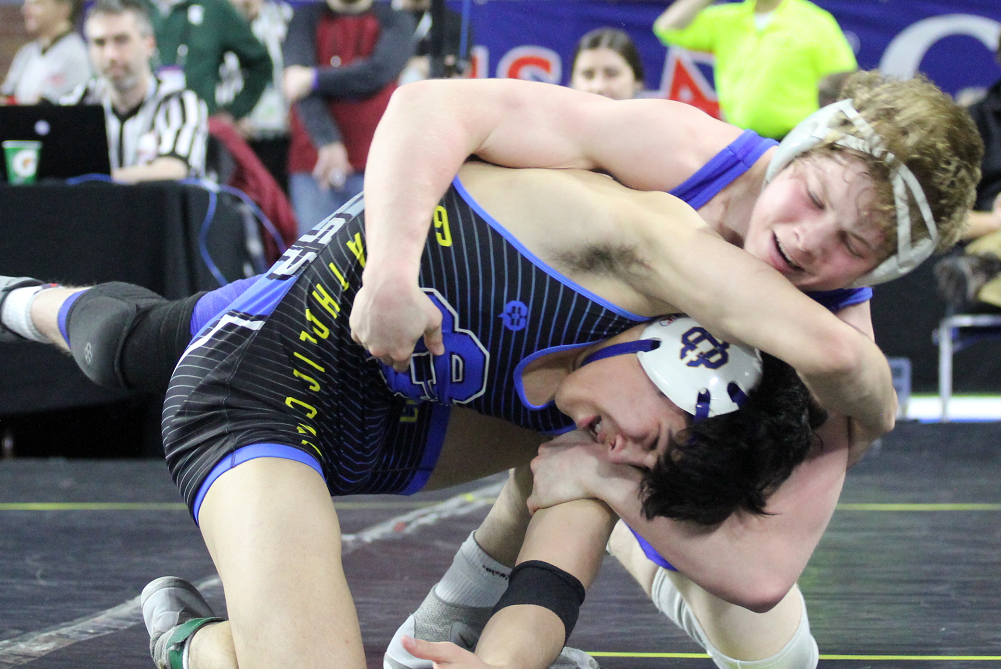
x=125, y=336
x=800, y=652
x=668, y=600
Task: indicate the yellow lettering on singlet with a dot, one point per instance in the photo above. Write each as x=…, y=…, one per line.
x=305, y=336
x=357, y=248
x=313, y=385
x=306, y=443
x=309, y=362
x=319, y=329
x=306, y=429
x=340, y=277
x=441, y=230
x=326, y=301
x=311, y=411
x=410, y=412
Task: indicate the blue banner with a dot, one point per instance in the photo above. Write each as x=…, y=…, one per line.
x=953, y=42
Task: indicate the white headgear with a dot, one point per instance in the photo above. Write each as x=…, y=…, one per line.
x=816, y=128
x=701, y=374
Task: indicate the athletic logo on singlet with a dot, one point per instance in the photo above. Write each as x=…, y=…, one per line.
x=515, y=315
x=703, y=349
x=459, y=376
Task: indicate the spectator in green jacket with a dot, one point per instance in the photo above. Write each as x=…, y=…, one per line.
x=771, y=56
x=193, y=36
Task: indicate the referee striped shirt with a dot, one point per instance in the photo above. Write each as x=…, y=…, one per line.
x=171, y=121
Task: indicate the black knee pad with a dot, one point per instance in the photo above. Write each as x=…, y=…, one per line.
x=125, y=336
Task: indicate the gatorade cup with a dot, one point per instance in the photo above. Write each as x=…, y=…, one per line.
x=22, y=160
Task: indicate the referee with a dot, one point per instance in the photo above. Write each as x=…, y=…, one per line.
x=156, y=129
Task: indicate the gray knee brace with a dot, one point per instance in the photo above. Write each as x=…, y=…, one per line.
x=125, y=336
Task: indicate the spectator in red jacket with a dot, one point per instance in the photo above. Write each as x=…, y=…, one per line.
x=342, y=60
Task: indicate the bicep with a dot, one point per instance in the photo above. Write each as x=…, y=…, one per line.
x=645, y=144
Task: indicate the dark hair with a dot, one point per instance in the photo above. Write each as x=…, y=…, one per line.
x=119, y=7
x=734, y=461
x=616, y=40
x=76, y=8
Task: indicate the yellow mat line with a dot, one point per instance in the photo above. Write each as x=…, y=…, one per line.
x=875, y=658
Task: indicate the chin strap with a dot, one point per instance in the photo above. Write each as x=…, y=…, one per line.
x=640, y=345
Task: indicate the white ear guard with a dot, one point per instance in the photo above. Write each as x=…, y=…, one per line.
x=814, y=130
x=701, y=374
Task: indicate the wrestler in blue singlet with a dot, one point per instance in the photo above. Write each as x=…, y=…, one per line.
x=485, y=341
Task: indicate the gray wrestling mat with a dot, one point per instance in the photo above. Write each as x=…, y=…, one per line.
x=907, y=576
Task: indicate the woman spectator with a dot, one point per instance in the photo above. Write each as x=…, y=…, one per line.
x=606, y=62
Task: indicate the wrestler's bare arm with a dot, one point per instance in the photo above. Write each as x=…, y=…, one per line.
x=859, y=316
x=748, y=560
x=430, y=128
x=571, y=536
x=739, y=298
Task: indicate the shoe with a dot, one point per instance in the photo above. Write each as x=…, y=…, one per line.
x=7, y=284
x=571, y=658
x=173, y=611
x=437, y=620
x=960, y=278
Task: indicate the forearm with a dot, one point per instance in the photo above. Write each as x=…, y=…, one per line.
x=752, y=303
x=238, y=38
x=861, y=389
x=521, y=637
x=748, y=560
x=319, y=124
x=166, y=168
x=679, y=14
x=571, y=536
x=257, y=78
x=418, y=147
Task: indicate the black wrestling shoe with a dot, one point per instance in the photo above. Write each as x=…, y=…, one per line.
x=7, y=284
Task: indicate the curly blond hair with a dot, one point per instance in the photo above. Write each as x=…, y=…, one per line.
x=932, y=135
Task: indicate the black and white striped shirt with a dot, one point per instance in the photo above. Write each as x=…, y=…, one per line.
x=171, y=121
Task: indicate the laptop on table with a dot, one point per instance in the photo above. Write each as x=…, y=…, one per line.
x=74, y=139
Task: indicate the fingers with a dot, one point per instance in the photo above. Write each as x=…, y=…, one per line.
x=533, y=504
x=434, y=340
x=399, y=361
x=443, y=654
x=320, y=173
x=399, y=364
